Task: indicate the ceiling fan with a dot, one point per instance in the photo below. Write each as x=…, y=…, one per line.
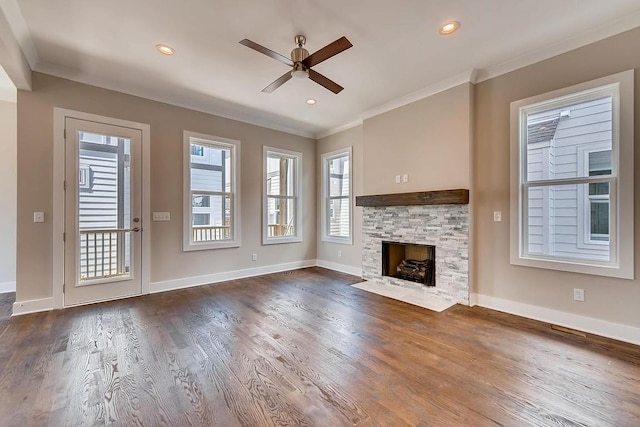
x=301, y=62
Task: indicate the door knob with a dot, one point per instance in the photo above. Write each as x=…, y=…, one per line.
x=136, y=229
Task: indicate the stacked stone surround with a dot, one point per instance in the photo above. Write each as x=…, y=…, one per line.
x=444, y=226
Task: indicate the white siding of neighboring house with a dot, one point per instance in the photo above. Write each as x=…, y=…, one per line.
x=98, y=205
x=555, y=213
x=208, y=180
x=341, y=211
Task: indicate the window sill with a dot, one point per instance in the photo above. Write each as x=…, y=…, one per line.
x=575, y=266
x=339, y=240
x=209, y=245
x=278, y=240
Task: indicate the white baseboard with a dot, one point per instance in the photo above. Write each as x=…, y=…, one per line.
x=188, y=282
x=32, y=306
x=356, y=271
x=590, y=325
x=7, y=287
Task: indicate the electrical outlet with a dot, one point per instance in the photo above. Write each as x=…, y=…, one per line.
x=578, y=294
x=339, y=253
x=405, y=177
x=497, y=216
x=254, y=257
x=397, y=179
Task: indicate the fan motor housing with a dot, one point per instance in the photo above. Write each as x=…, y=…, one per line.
x=299, y=54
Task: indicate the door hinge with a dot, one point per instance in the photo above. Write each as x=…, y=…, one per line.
x=64, y=185
x=64, y=236
x=65, y=133
x=64, y=287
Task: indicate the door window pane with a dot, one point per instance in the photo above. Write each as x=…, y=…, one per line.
x=104, y=206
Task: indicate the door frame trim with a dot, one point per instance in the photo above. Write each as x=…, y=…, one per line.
x=58, y=218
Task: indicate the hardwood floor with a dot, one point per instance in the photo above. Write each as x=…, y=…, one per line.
x=6, y=304
x=305, y=348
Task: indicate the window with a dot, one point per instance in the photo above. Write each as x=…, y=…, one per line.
x=336, y=196
x=211, y=192
x=197, y=150
x=201, y=219
x=570, y=165
x=597, y=202
x=282, y=204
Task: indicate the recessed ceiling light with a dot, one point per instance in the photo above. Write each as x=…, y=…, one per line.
x=311, y=101
x=449, y=27
x=165, y=49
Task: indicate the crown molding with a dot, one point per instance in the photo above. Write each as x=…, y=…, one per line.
x=596, y=34
x=441, y=86
x=338, y=129
x=448, y=83
x=204, y=104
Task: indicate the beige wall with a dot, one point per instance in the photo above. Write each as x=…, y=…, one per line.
x=328, y=251
x=607, y=299
x=168, y=261
x=8, y=146
x=427, y=139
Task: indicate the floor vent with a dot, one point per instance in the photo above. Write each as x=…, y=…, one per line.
x=569, y=331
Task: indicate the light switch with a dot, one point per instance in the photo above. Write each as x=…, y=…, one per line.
x=38, y=217
x=162, y=216
x=397, y=179
x=497, y=216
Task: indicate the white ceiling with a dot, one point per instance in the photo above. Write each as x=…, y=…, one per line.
x=398, y=54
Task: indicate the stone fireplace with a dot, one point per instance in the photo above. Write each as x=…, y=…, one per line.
x=438, y=219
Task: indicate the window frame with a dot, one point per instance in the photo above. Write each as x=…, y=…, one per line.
x=297, y=172
x=621, y=265
x=326, y=198
x=216, y=142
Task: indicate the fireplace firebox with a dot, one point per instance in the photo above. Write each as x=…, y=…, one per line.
x=409, y=261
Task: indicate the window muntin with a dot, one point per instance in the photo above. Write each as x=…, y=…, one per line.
x=336, y=190
x=282, y=207
x=211, y=192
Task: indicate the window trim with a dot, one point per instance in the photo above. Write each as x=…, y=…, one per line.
x=325, y=159
x=213, y=141
x=621, y=191
x=297, y=156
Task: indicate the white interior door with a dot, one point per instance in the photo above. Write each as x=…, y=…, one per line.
x=103, y=208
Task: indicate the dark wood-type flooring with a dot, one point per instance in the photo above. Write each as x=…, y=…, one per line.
x=305, y=348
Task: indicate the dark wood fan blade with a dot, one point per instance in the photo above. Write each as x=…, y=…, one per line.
x=327, y=52
x=275, y=85
x=268, y=52
x=324, y=81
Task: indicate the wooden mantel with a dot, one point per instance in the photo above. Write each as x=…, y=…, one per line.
x=443, y=197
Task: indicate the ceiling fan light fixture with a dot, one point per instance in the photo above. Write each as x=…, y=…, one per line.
x=299, y=71
x=165, y=49
x=449, y=27
x=311, y=101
